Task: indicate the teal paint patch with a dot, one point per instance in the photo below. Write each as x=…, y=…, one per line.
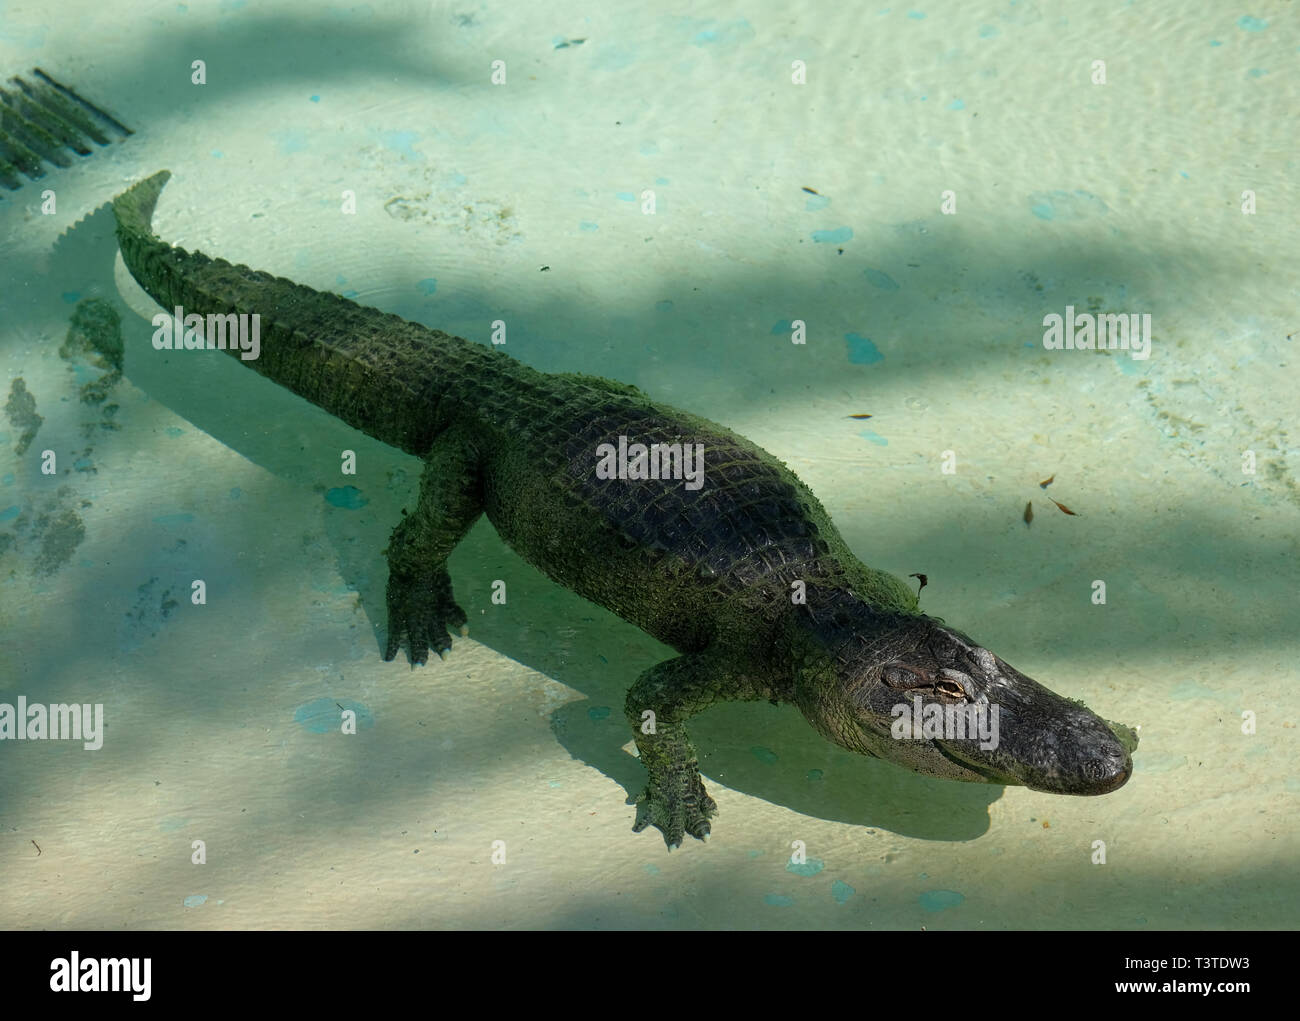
x=401, y=142
x=290, y=140
x=172, y=825
x=624, y=196
x=217, y=154
x=1066, y=205
x=728, y=33
x=427, y=286
x=648, y=149
x=833, y=237
x=764, y=755
x=651, y=870
x=956, y=104
x=235, y=493
x=169, y=520
x=196, y=900
x=941, y=900
x=663, y=306
x=347, y=497
x=588, y=225
x=323, y=715
x=1256, y=72
x=809, y=868
x=71, y=297
x=9, y=513
x=875, y=438
x=314, y=99
x=173, y=431
x=778, y=900
x=862, y=351
x=598, y=712
x=814, y=775
x=841, y=892
x=662, y=182
x=782, y=326
x=816, y=202
x=1215, y=42
x=988, y=31
x=1248, y=24
x=879, y=278
x=916, y=15
x=755, y=854
x=8, y=478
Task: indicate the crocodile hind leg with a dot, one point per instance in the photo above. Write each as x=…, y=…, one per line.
x=675, y=800
x=420, y=602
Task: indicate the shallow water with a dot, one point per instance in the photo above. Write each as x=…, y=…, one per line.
x=825, y=202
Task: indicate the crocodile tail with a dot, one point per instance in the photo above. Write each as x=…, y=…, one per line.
x=141, y=248
x=380, y=374
x=134, y=207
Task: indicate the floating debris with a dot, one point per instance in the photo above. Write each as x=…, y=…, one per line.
x=1029, y=513
x=1064, y=509
x=1047, y=482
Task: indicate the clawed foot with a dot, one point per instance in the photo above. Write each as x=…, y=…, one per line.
x=676, y=803
x=421, y=607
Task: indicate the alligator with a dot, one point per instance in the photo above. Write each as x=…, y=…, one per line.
x=674, y=523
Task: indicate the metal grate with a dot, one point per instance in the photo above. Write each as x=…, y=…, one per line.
x=43, y=121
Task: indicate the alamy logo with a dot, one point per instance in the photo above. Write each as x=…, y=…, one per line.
x=656, y=461
x=101, y=975
x=58, y=721
x=1109, y=331
x=217, y=332
x=968, y=721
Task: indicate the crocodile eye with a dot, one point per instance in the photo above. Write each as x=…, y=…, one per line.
x=951, y=689
x=1093, y=769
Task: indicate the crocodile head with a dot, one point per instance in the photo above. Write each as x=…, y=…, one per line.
x=927, y=697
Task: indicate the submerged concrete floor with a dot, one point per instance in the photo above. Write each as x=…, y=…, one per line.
x=221, y=719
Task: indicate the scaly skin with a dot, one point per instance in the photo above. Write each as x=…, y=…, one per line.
x=715, y=572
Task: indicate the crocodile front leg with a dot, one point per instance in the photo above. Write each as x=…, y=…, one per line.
x=420, y=601
x=658, y=706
